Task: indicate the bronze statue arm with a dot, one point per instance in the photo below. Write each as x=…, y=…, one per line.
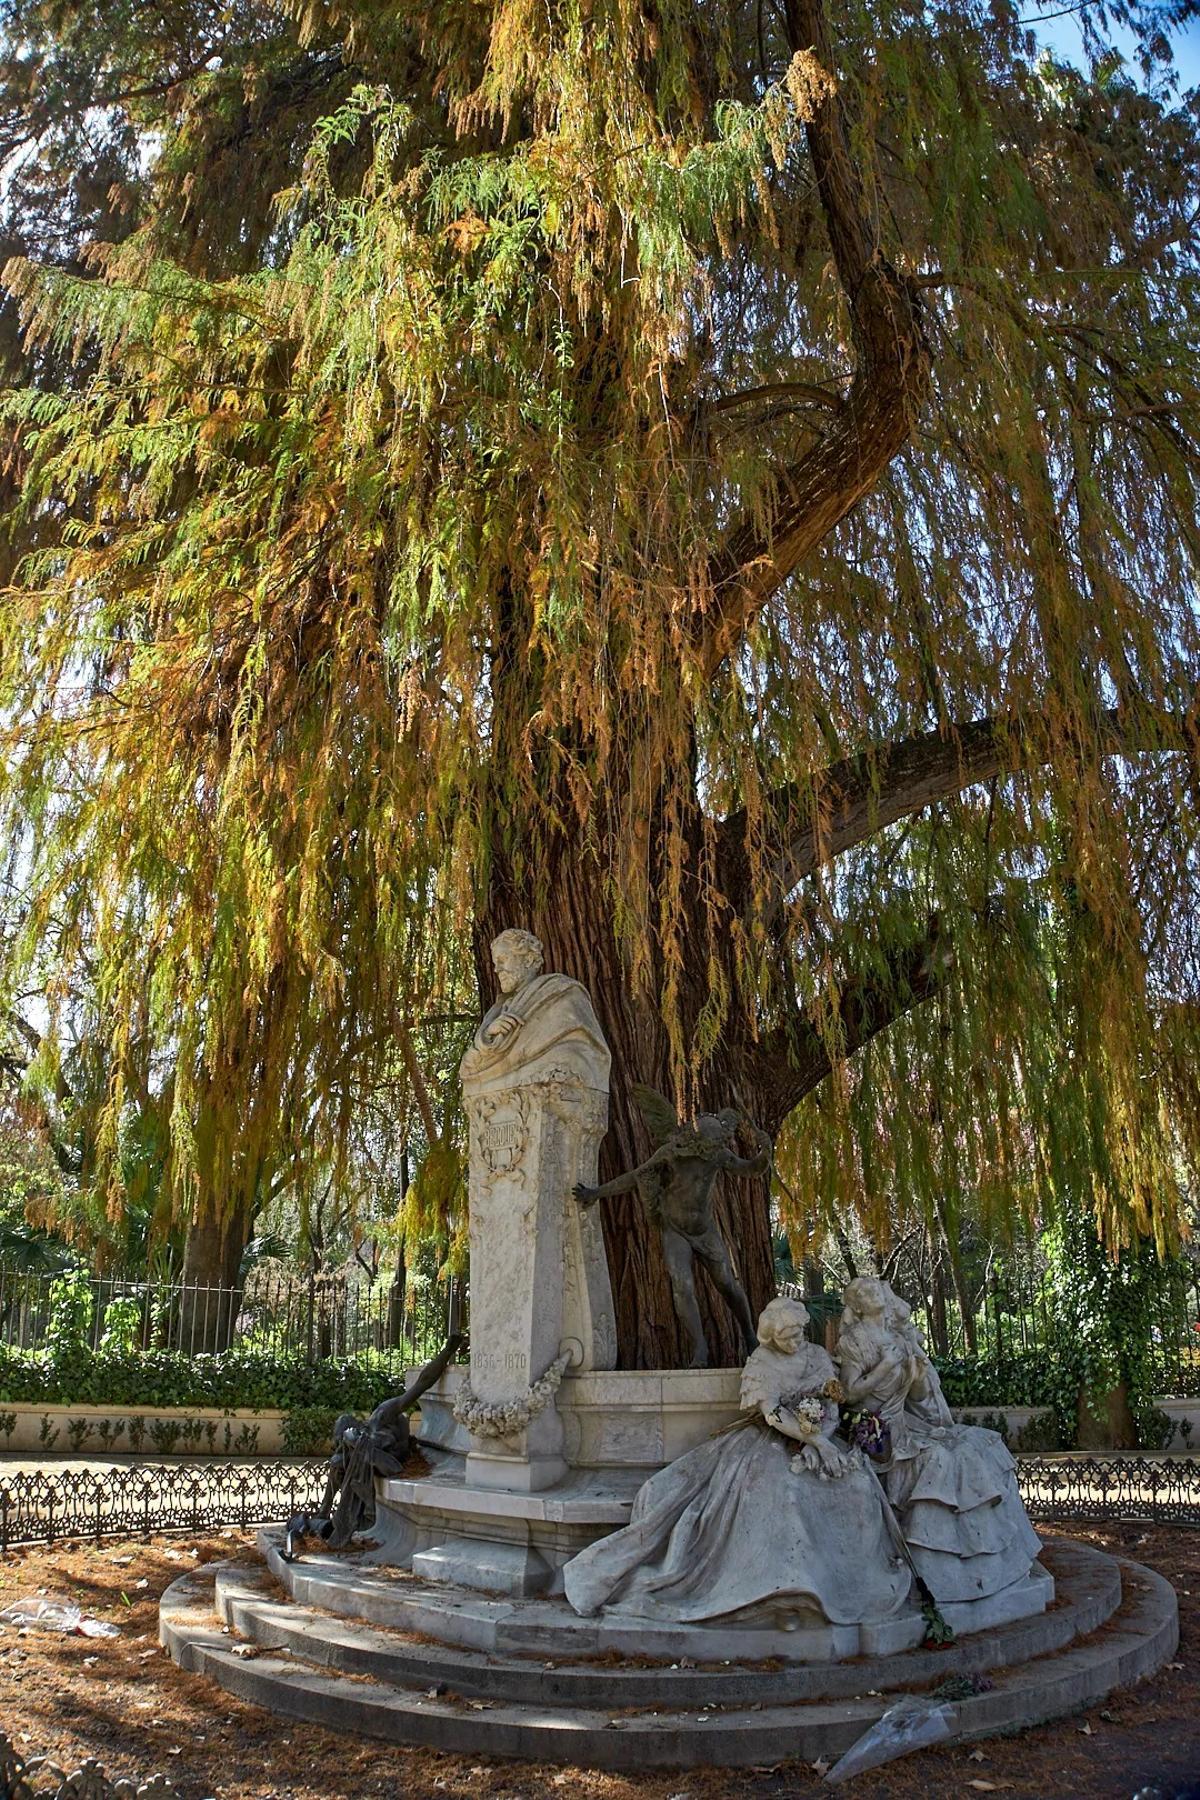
x=745, y=1165
x=433, y=1371
x=620, y=1184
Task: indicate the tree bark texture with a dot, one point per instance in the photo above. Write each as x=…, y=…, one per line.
x=1104, y=1420
x=210, y=1299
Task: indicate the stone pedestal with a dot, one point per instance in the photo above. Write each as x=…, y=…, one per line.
x=539, y=1282
x=535, y=1088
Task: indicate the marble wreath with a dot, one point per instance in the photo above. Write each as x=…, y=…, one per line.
x=778, y=1519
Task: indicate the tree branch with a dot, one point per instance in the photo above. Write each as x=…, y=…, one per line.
x=777, y=390
x=817, y=491
x=797, y=1056
x=853, y=799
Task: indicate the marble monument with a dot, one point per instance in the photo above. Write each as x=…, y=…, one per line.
x=535, y=1084
x=952, y=1487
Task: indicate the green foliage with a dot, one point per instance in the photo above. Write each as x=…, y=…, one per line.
x=1025, y=1378
x=938, y=1632
x=31, y=1189
x=162, y=1378
x=122, y=1325
x=419, y=550
x=1156, y=1429
x=308, y=1431
x=72, y=1310
x=1106, y=1313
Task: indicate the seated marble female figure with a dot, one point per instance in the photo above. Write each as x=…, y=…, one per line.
x=952, y=1487
x=767, y=1522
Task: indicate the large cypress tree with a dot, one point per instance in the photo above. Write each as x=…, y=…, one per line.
x=715, y=484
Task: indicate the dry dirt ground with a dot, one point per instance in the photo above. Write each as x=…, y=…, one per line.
x=122, y=1701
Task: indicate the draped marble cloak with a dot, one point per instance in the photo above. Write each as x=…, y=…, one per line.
x=731, y=1531
x=952, y=1487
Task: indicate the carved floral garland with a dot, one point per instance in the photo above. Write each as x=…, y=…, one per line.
x=485, y=1418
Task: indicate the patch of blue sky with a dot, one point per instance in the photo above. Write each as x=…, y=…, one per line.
x=1060, y=28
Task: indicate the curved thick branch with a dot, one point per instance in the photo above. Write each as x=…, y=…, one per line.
x=796, y=1057
x=816, y=492
x=851, y=800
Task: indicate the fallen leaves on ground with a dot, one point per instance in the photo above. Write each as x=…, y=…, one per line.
x=120, y=1700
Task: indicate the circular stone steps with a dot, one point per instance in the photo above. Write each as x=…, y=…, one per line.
x=245, y=1599
x=305, y=1663
x=362, y=1586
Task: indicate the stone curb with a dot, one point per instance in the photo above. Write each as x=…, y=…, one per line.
x=1140, y=1637
x=1089, y=1586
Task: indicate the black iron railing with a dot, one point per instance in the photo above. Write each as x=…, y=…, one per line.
x=1156, y=1490
x=43, y=1506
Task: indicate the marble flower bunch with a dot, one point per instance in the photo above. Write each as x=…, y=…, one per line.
x=812, y=1408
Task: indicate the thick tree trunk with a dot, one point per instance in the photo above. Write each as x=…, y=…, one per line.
x=1104, y=1420
x=938, y=1330
x=948, y=1233
x=211, y=1291
x=571, y=918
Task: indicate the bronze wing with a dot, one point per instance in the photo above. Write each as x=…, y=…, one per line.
x=658, y=1115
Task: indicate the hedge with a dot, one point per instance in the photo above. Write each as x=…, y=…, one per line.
x=70, y=1374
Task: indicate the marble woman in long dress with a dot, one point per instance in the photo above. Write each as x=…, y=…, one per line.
x=952, y=1487
x=748, y=1526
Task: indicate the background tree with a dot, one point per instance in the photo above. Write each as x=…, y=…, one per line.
x=652, y=455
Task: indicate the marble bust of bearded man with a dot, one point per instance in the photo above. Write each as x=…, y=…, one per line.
x=543, y=1027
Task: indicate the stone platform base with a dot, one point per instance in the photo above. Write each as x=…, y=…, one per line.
x=349, y=1647
x=539, y=1624
x=446, y=1529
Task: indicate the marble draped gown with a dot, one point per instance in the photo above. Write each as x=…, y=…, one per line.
x=953, y=1488
x=731, y=1532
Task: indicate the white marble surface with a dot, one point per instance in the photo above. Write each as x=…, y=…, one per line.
x=953, y=1488
x=612, y=1419
x=770, y=1523
x=535, y=1086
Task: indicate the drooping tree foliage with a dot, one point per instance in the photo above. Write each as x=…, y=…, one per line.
x=713, y=483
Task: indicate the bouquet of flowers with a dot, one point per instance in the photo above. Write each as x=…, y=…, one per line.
x=870, y=1433
x=812, y=1408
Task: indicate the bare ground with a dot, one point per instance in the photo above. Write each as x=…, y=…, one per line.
x=122, y=1701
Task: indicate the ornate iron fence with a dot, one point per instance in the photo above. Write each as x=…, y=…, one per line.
x=40, y=1506
x=39, y=1779
x=1154, y=1490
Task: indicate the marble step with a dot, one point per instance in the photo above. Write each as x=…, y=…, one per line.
x=1137, y=1639
x=1088, y=1585
x=356, y=1586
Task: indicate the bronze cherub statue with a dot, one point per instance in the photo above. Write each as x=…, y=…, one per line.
x=675, y=1185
